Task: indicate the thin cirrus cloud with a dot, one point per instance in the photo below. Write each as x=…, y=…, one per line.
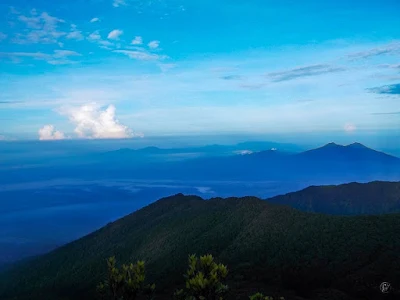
x=389, y=49
x=386, y=113
x=393, y=89
x=232, y=77
x=307, y=71
x=56, y=58
x=39, y=28
x=48, y=133
x=141, y=55
x=115, y=34
x=92, y=121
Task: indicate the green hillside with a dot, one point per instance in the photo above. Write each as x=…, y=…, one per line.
x=377, y=197
x=268, y=248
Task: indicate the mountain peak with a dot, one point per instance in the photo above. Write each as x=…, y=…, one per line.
x=357, y=145
x=331, y=145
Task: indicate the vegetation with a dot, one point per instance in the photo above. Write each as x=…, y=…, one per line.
x=126, y=283
x=354, y=198
x=271, y=249
x=204, y=281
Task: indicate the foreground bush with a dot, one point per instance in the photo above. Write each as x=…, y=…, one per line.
x=204, y=280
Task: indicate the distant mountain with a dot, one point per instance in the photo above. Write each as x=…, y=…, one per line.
x=346, y=199
x=355, y=152
x=267, y=247
x=330, y=164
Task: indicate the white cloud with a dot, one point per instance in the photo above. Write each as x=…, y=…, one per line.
x=94, y=20
x=41, y=28
x=118, y=3
x=138, y=40
x=75, y=35
x=166, y=67
x=243, y=152
x=94, y=122
x=115, y=34
x=56, y=58
x=141, y=55
x=94, y=36
x=48, y=132
x=154, y=44
x=350, y=127
x=65, y=53
x=388, y=49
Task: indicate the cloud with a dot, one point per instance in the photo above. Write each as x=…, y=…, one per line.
x=389, y=49
x=115, y=34
x=138, y=40
x=118, y=3
x=349, y=127
x=231, y=77
x=48, y=132
x=312, y=70
x=393, y=89
x=154, y=44
x=58, y=57
x=75, y=34
x=40, y=28
x=166, y=67
x=94, y=36
x=94, y=122
x=3, y=36
x=141, y=55
x=387, y=113
x=94, y=20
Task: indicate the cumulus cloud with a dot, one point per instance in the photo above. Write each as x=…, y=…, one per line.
x=349, y=127
x=115, y=34
x=154, y=44
x=94, y=36
x=48, y=132
x=94, y=20
x=138, y=40
x=94, y=122
x=306, y=71
x=141, y=55
x=75, y=34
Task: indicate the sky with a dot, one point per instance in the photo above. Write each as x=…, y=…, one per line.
x=98, y=69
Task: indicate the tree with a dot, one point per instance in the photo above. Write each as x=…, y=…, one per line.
x=204, y=280
x=126, y=283
x=260, y=296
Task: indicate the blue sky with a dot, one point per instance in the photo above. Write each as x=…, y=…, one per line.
x=130, y=68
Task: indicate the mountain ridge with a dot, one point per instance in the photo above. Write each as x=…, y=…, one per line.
x=266, y=246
